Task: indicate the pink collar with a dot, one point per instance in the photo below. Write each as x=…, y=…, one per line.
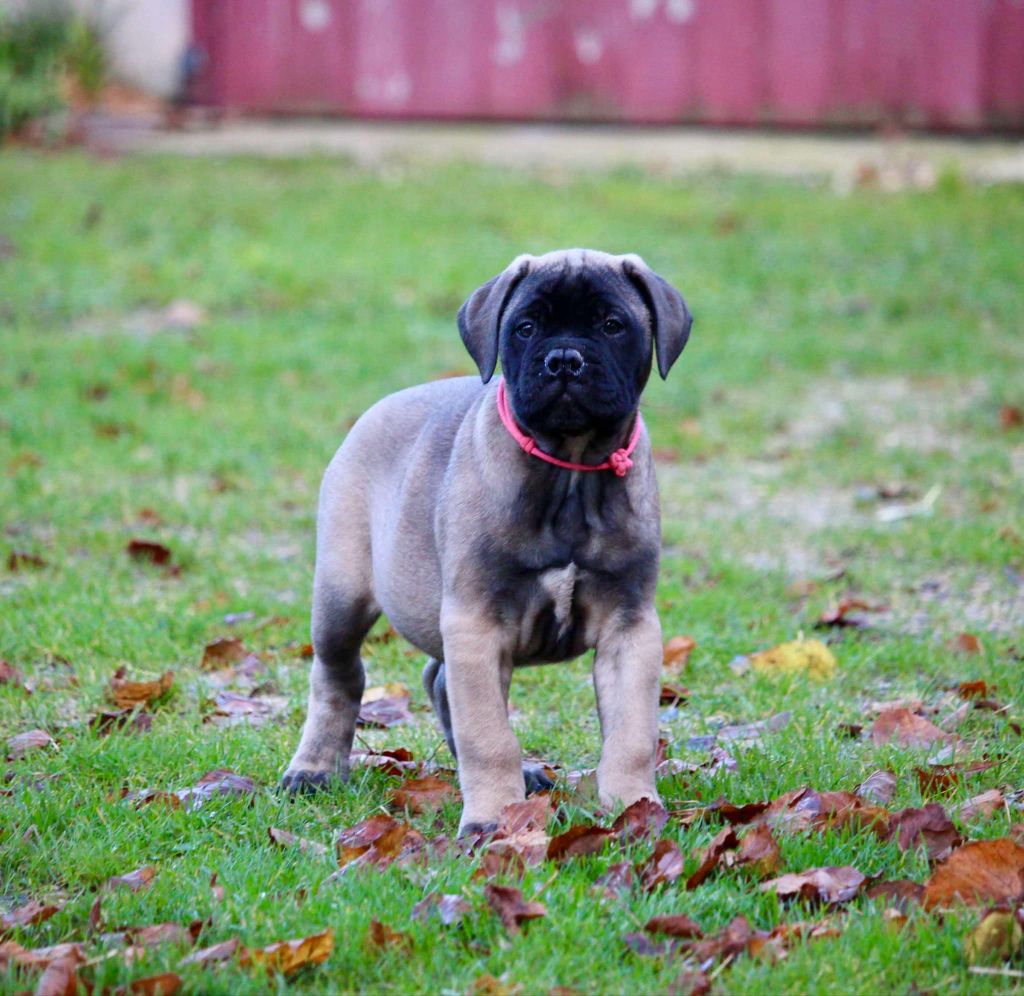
x=617, y=461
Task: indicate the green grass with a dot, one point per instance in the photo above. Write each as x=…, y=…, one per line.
x=840, y=343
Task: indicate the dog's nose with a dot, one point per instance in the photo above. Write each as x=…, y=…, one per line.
x=564, y=361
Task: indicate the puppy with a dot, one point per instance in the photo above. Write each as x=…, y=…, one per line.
x=503, y=522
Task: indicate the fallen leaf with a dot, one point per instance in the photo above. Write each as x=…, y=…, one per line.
x=450, y=908
x=759, y=851
x=901, y=892
x=810, y=657
x=677, y=653
x=755, y=730
x=21, y=743
x=32, y=912
x=578, y=841
x=905, y=729
x=380, y=935
x=284, y=838
x=643, y=945
x=156, y=985
x=980, y=871
x=675, y=925
x=830, y=884
x=59, y=978
x=385, y=706
x=19, y=560
x=127, y=720
x=930, y=825
x=999, y=937
x=1011, y=417
x=965, y=643
x=289, y=956
x=488, y=985
x=127, y=694
x=879, y=787
x=215, y=953
x=254, y=710
x=974, y=689
x=390, y=762
x=224, y=650
x=982, y=806
x=945, y=777
x=692, y=983
x=616, y=880
x=664, y=865
x=149, y=552
x=724, y=840
x=420, y=795
x=839, y=614
x=644, y=818
x=214, y=783
x=136, y=880
x=672, y=694
x=531, y=814
x=377, y=841
x=12, y=953
x=511, y=908
x=10, y=675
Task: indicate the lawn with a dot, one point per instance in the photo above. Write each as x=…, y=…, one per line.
x=841, y=424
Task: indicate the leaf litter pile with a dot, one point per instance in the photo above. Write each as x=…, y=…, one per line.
x=493, y=888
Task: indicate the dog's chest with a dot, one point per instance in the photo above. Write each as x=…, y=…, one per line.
x=553, y=625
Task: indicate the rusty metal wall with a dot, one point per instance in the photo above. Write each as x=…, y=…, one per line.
x=950, y=64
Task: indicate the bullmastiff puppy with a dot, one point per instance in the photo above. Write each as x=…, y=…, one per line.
x=503, y=522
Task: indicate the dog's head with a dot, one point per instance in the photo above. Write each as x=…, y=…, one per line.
x=576, y=332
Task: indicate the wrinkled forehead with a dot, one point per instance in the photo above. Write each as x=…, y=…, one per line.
x=577, y=279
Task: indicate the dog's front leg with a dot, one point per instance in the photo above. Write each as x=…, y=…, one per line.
x=627, y=674
x=478, y=671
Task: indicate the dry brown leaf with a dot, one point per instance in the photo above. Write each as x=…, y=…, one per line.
x=10, y=675
x=20, y=560
x=672, y=694
x=254, y=710
x=224, y=650
x=391, y=762
x=724, y=840
x=615, y=881
x=284, y=838
x=831, y=884
x=214, y=954
x=980, y=871
x=664, y=865
x=289, y=956
x=677, y=653
x=578, y=841
x=488, y=985
x=148, y=552
x=215, y=783
x=127, y=720
x=644, y=818
x=380, y=935
x=879, y=787
x=759, y=851
x=377, y=841
x=12, y=953
x=21, y=743
x=420, y=795
x=164, y=984
x=128, y=694
x=965, y=643
x=999, y=937
x=32, y=912
x=1011, y=417
x=906, y=729
x=511, y=908
x=59, y=978
x=975, y=690
x=982, y=806
x=385, y=706
x=136, y=880
x=839, y=615
x=930, y=825
x=675, y=925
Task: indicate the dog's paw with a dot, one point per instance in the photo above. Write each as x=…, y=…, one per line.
x=536, y=778
x=478, y=829
x=304, y=782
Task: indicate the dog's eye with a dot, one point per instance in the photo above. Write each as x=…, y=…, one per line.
x=612, y=326
x=524, y=330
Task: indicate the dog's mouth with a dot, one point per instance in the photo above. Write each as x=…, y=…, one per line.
x=561, y=409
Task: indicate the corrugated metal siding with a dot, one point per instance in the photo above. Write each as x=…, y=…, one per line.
x=925, y=63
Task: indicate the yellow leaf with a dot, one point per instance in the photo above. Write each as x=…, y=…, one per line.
x=392, y=690
x=796, y=657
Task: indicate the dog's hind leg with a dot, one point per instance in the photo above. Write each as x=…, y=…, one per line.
x=336, y=680
x=434, y=682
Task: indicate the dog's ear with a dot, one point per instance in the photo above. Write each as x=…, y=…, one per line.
x=480, y=315
x=670, y=317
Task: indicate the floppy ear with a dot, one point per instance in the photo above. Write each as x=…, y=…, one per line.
x=480, y=315
x=670, y=317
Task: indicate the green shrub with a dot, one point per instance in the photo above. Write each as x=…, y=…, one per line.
x=38, y=43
